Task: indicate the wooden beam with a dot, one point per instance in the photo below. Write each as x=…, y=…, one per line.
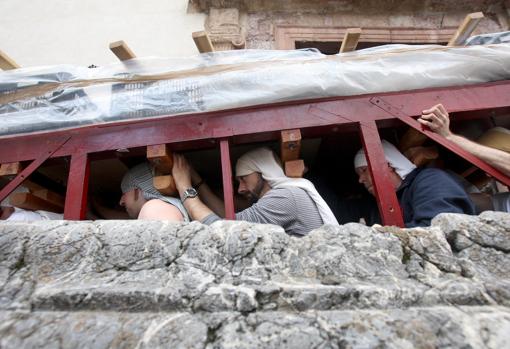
x=421, y=156
x=295, y=168
x=465, y=29
x=32, y=187
x=51, y=197
x=410, y=139
x=29, y=201
x=165, y=185
x=350, y=40
x=10, y=169
x=202, y=41
x=122, y=50
x=161, y=157
x=6, y=62
x=290, y=145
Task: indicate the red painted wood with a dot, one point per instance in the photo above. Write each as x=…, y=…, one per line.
x=252, y=120
x=77, y=187
x=389, y=208
x=383, y=104
x=50, y=148
x=226, y=170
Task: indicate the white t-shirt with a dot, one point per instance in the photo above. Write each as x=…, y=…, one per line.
x=21, y=215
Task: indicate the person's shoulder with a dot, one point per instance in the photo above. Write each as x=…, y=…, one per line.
x=286, y=192
x=432, y=172
x=158, y=209
x=435, y=176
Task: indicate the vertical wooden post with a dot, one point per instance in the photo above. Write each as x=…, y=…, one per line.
x=203, y=42
x=77, y=187
x=6, y=62
x=465, y=29
x=228, y=189
x=387, y=201
x=350, y=40
x=121, y=50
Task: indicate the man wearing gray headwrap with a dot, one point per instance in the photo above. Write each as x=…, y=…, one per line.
x=141, y=200
x=292, y=203
x=422, y=193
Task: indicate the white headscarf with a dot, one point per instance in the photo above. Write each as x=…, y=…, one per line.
x=396, y=159
x=264, y=161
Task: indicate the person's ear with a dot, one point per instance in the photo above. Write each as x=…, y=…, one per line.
x=136, y=193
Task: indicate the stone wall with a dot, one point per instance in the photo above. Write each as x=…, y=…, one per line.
x=255, y=24
x=240, y=285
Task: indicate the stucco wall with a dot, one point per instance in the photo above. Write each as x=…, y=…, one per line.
x=40, y=32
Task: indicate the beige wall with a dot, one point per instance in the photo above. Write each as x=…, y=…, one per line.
x=41, y=32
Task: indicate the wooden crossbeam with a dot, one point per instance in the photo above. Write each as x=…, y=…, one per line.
x=202, y=41
x=350, y=40
x=6, y=62
x=465, y=29
x=122, y=50
x=50, y=196
x=29, y=201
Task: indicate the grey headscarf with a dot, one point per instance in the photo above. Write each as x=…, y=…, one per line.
x=140, y=177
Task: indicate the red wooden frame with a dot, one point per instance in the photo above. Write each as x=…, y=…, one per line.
x=366, y=111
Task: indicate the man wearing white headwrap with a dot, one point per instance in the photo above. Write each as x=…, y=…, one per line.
x=294, y=204
x=423, y=193
x=141, y=200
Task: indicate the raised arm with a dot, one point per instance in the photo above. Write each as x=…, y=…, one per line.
x=181, y=172
x=438, y=120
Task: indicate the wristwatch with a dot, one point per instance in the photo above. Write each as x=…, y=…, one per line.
x=189, y=193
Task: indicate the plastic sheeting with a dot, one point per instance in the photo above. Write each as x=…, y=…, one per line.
x=56, y=97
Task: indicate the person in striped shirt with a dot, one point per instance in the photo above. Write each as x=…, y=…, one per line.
x=292, y=203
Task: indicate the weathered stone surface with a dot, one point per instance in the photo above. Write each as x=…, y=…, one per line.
x=236, y=284
x=438, y=327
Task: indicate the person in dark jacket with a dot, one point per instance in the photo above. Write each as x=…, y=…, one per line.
x=422, y=193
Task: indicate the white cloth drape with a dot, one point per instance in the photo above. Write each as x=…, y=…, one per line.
x=264, y=161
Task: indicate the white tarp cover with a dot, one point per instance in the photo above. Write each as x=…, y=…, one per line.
x=56, y=97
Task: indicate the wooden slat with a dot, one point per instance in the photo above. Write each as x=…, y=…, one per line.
x=203, y=42
x=161, y=157
x=350, y=40
x=51, y=197
x=29, y=201
x=32, y=187
x=6, y=62
x=465, y=29
x=10, y=169
x=290, y=145
x=295, y=168
x=122, y=50
x=165, y=185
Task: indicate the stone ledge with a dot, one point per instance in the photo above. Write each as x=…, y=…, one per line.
x=238, y=271
x=437, y=327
